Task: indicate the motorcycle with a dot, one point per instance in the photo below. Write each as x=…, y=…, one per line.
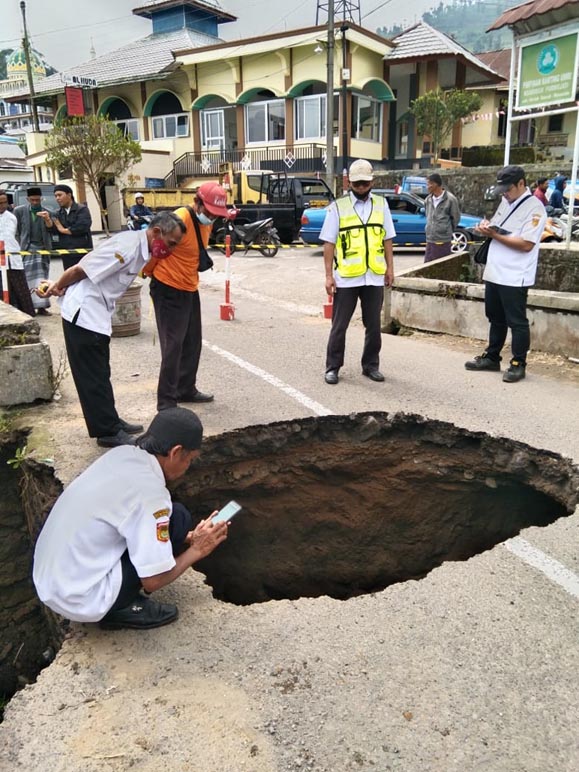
x=133, y=226
x=261, y=235
x=554, y=230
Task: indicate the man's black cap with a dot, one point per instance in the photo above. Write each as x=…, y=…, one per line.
x=176, y=426
x=507, y=176
x=33, y=192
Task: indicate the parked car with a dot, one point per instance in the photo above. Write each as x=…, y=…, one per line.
x=17, y=193
x=409, y=219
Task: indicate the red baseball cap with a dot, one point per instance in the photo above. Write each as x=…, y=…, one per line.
x=214, y=199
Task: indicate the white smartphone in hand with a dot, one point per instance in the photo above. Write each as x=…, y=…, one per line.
x=229, y=511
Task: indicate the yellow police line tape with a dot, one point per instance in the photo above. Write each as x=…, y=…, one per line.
x=59, y=252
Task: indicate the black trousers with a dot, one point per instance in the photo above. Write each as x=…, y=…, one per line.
x=69, y=260
x=178, y=314
x=89, y=358
x=345, y=300
x=180, y=524
x=506, y=307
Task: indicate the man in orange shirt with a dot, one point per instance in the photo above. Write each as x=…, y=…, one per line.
x=175, y=294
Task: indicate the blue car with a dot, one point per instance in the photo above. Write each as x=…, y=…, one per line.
x=409, y=220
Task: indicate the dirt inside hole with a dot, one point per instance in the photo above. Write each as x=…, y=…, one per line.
x=29, y=635
x=345, y=505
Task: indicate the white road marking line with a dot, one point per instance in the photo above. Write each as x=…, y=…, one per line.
x=548, y=566
x=304, y=400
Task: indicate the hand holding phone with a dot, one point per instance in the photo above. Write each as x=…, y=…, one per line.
x=227, y=513
x=499, y=230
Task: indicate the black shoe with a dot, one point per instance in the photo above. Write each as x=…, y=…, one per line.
x=331, y=377
x=373, y=375
x=515, y=372
x=484, y=362
x=130, y=428
x=142, y=614
x=113, y=441
x=198, y=396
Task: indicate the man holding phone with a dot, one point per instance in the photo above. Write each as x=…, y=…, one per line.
x=510, y=271
x=114, y=532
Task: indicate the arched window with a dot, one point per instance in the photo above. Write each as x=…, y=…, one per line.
x=264, y=116
x=117, y=111
x=167, y=117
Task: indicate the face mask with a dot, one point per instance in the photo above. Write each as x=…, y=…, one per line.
x=36, y=207
x=159, y=249
x=361, y=196
x=203, y=219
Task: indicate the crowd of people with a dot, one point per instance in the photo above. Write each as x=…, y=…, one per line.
x=100, y=563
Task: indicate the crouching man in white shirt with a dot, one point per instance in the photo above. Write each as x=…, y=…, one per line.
x=114, y=531
x=515, y=232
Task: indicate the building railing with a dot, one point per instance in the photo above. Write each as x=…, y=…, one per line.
x=299, y=159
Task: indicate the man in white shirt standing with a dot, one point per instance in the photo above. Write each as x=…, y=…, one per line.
x=515, y=230
x=358, y=258
x=17, y=285
x=115, y=531
x=92, y=288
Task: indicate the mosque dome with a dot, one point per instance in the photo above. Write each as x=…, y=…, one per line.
x=16, y=65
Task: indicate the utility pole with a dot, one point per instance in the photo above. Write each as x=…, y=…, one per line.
x=330, y=99
x=344, y=100
x=26, y=47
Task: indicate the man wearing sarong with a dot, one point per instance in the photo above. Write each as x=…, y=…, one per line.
x=20, y=296
x=33, y=235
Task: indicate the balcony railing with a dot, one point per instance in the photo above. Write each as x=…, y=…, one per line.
x=299, y=159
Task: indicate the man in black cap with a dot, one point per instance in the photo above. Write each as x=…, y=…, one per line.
x=115, y=531
x=33, y=235
x=515, y=232
x=70, y=226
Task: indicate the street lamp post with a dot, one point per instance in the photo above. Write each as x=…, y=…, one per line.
x=344, y=100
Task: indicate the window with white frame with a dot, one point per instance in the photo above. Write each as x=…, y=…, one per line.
x=310, y=117
x=170, y=126
x=129, y=127
x=366, y=118
x=265, y=121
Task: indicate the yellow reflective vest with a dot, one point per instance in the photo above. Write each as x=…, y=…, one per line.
x=360, y=246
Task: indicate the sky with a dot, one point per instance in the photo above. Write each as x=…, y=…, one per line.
x=62, y=30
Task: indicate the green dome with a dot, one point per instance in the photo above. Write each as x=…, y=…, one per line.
x=16, y=65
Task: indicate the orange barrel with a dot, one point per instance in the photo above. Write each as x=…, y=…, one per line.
x=127, y=316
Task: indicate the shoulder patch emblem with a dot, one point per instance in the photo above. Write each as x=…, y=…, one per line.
x=162, y=531
x=161, y=513
x=119, y=257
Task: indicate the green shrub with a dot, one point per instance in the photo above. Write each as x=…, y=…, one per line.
x=494, y=155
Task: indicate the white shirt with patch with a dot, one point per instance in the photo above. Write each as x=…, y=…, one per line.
x=331, y=229
x=513, y=267
x=110, y=269
x=120, y=502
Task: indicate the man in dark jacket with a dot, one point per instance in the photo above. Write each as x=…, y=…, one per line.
x=556, y=200
x=70, y=226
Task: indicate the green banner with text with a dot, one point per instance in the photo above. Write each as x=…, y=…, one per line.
x=548, y=72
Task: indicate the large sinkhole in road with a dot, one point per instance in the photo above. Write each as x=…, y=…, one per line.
x=345, y=505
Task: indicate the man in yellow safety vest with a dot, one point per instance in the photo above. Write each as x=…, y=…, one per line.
x=358, y=258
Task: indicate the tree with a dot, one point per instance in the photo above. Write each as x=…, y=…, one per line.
x=436, y=112
x=95, y=148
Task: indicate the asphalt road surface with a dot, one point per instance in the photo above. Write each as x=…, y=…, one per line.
x=473, y=668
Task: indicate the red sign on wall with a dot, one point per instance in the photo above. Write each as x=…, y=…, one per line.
x=74, y=100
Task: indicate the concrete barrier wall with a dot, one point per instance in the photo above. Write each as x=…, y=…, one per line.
x=457, y=308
